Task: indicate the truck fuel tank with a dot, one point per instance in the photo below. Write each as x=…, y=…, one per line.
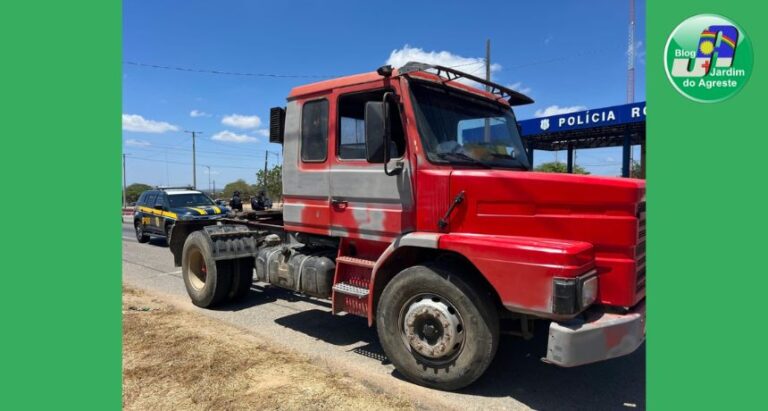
x=306, y=270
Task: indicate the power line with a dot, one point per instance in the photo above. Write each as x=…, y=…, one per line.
x=183, y=151
x=187, y=164
x=250, y=74
x=563, y=58
x=223, y=72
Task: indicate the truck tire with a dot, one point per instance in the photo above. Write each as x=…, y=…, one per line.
x=207, y=281
x=437, y=329
x=242, y=277
x=141, y=236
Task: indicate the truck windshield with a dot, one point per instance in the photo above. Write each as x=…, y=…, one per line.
x=459, y=128
x=189, y=200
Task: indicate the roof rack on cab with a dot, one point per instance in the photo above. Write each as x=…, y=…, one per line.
x=515, y=98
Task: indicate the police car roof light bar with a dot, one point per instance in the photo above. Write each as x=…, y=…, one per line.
x=174, y=188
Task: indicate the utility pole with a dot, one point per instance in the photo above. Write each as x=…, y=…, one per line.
x=125, y=188
x=209, y=178
x=214, y=189
x=194, y=164
x=266, y=156
x=487, y=129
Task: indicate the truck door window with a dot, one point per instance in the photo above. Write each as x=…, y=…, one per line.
x=351, y=141
x=314, y=131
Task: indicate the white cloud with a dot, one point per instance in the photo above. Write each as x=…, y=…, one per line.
x=263, y=132
x=555, y=110
x=471, y=65
x=241, y=121
x=137, y=123
x=198, y=113
x=519, y=87
x=231, y=137
x=137, y=143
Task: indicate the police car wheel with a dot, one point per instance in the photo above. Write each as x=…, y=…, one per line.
x=141, y=236
x=207, y=282
x=168, y=232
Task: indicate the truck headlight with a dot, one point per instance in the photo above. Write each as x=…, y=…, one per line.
x=572, y=295
x=589, y=291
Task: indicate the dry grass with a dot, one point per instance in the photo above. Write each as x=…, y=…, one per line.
x=178, y=360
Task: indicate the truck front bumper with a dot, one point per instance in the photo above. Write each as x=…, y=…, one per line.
x=600, y=336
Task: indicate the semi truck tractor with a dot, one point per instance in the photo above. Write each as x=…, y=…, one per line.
x=409, y=200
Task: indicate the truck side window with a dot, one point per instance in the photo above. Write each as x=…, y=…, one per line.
x=314, y=131
x=140, y=201
x=351, y=131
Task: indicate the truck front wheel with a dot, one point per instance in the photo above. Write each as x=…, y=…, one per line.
x=436, y=328
x=207, y=281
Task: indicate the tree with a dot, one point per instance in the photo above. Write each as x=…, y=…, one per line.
x=558, y=167
x=133, y=191
x=274, y=183
x=635, y=170
x=239, y=185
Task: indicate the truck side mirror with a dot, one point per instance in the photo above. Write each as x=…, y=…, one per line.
x=276, y=125
x=375, y=129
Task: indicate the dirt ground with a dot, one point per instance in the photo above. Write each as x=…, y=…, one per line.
x=174, y=360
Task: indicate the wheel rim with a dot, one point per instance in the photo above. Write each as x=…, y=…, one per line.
x=197, y=272
x=432, y=328
x=139, y=231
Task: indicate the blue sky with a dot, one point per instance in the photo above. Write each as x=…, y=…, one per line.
x=564, y=54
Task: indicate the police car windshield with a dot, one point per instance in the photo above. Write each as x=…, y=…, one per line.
x=458, y=128
x=188, y=200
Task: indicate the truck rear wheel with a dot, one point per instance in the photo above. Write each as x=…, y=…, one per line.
x=436, y=328
x=208, y=282
x=242, y=277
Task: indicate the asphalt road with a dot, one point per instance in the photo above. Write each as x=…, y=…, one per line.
x=517, y=379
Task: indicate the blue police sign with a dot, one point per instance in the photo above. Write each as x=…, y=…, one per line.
x=607, y=116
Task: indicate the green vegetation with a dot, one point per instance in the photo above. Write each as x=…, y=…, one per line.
x=133, y=191
x=558, y=167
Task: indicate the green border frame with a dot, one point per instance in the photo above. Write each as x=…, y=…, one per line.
x=61, y=287
x=706, y=220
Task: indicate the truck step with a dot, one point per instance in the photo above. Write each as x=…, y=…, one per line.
x=349, y=289
x=358, y=262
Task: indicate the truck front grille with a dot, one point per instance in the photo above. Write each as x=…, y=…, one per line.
x=640, y=250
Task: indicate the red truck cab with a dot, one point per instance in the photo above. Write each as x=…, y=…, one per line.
x=458, y=184
x=417, y=181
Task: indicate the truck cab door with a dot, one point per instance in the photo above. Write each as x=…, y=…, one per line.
x=365, y=202
x=306, y=183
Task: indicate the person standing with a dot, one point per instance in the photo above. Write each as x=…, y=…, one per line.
x=236, y=203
